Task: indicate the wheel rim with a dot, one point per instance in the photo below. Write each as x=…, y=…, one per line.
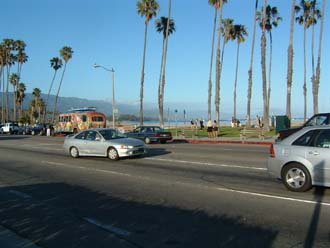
x=296, y=178
x=113, y=154
x=147, y=140
x=74, y=152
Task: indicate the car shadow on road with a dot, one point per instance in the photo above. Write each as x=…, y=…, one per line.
x=64, y=215
x=12, y=137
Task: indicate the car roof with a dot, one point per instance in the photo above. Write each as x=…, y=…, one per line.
x=302, y=131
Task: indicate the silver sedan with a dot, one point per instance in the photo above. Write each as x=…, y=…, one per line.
x=103, y=142
x=302, y=159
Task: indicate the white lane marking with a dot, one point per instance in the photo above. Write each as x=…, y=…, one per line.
x=198, y=186
x=212, y=164
x=109, y=228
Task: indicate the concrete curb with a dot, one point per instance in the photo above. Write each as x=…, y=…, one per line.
x=222, y=141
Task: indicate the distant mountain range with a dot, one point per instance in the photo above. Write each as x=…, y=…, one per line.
x=173, y=110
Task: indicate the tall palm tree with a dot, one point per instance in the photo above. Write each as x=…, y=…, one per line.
x=55, y=63
x=315, y=16
x=290, y=62
x=66, y=54
x=2, y=81
x=238, y=33
x=37, y=94
x=161, y=27
x=32, y=107
x=305, y=10
x=263, y=68
x=21, y=94
x=14, y=80
x=318, y=66
x=9, y=46
x=250, y=71
x=147, y=9
x=21, y=55
x=215, y=4
x=227, y=34
x=218, y=65
x=40, y=104
x=272, y=20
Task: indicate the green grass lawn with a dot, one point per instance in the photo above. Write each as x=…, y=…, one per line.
x=225, y=131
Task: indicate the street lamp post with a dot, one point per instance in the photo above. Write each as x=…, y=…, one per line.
x=113, y=91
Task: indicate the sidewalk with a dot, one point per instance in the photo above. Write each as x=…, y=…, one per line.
x=224, y=140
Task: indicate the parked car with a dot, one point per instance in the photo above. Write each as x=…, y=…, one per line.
x=302, y=159
x=315, y=120
x=103, y=142
x=10, y=128
x=150, y=134
x=41, y=128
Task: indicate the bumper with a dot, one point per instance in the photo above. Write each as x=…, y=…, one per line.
x=274, y=168
x=131, y=152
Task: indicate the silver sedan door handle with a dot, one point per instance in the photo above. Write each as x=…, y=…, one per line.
x=315, y=153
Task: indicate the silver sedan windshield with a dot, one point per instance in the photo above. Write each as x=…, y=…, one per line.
x=109, y=134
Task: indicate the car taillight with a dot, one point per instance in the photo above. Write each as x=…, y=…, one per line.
x=157, y=134
x=272, y=151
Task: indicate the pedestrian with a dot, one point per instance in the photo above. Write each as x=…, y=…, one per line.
x=201, y=122
x=215, y=129
x=209, y=129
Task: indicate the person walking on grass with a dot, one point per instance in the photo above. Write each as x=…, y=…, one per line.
x=215, y=129
x=209, y=129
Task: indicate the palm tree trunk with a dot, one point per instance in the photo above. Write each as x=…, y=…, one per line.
x=160, y=96
x=235, y=84
x=290, y=62
x=50, y=88
x=2, y=90
x=249, y=95
x=218, y=67
x=211, y=67
x=270, y=68
x=318, y=66
x=7, y=95
x=142, y=73
x=165, y=56
x=58, y=92
x=14, y=103
x=305, y=81
x=313, y=71
x=263, y=67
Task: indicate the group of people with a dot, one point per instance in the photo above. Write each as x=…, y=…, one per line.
x=212, y=129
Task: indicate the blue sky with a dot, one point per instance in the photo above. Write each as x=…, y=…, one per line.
x=110, y=33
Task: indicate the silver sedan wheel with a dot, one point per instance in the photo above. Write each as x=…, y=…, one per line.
x=74, y=152
x=296, y=178
x=113, y=154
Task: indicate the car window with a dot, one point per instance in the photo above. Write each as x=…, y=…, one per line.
x=305, y=140
x=322, y=140
x=317, y=120
x=91, y=135
x=109, y=134
x=158, y=129
x=81, y=135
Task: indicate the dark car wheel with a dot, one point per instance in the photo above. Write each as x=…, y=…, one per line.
x=147, y=140
x=113, y=154
x=74, y=152
x=296, y=177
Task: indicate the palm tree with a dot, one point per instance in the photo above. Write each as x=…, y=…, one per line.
x=36, y=93
x=9, y=46
x=290, y=62
x=218, y=65
x=318, y=66
x=263, y=67
x=215, y=4
x=272, y=19
x=316, y=14
x=66, y=54
x=249, y=95
x=227, y=34
x=305, y=9
x=32, y=107
x=238, y=33
x=21, y=94
x=14, y=80
x=161, y=27
x=2, y=82
x=147, y=9
x=40, y=104
x=55, y=63
x=21, y=55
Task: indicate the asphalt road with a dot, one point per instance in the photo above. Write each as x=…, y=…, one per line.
x=179, y=195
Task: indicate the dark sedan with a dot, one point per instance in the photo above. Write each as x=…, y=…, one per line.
x=150, y=134
x=316, y=120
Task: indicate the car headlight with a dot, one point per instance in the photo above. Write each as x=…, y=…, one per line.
x=125, y=147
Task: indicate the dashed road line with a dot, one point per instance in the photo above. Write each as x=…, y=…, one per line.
x=242, y=192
